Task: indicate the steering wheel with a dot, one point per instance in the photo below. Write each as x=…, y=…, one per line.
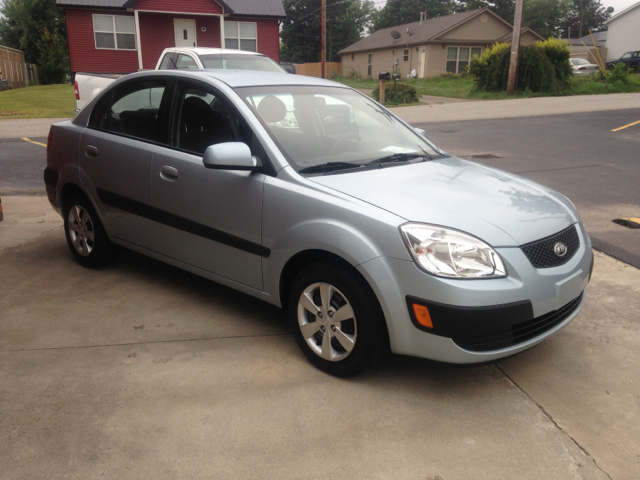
x=344, y=139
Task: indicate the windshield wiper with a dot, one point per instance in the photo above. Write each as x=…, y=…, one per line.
x=401, y=157
x=329, y=167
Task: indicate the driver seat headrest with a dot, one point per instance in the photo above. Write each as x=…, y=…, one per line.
x=272, y=109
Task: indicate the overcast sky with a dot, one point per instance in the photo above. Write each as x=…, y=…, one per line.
x=618, y=5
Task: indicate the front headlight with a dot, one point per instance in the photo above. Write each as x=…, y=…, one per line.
x=445, y=252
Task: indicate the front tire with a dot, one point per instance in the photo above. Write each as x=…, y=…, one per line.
x=86, y=237
x=337, y=320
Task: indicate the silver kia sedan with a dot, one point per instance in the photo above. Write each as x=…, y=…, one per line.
x=315, y=198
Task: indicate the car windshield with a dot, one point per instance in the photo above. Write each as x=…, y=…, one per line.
x=580, y=61
x=240, y=62
x=330, y=126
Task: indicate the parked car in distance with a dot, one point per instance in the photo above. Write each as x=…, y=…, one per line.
x=630, y=59
x=87, y=85
x=368, y=234
x=581, y=67
x=289, y=67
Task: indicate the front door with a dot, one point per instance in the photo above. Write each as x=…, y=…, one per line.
x=211, y=218
x=185, y=31
x=423, y=54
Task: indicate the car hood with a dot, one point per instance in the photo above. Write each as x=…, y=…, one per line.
x=500, y=208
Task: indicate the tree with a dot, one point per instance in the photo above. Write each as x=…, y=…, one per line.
x=503, y=8
x=53, y=64
x=399, y=12
x=346, y=21
x=24, y=23
x=546, y=17
x=585, y=15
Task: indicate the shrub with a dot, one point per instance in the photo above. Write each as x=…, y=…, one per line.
x=537, y=73
x=619, y=74
x=558, y=52
x=401, y=92
x=543, y=67
x=488, y=70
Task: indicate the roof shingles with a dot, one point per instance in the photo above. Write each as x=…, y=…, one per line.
x=260, y=8
x=430, y=28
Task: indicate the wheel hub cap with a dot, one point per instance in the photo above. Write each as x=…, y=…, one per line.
x=327, y=322
x=81, y=232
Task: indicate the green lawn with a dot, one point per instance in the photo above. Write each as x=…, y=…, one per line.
x=462, y=87
x=46, y=101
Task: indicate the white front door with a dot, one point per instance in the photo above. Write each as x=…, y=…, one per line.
x=185, y=31
x=423, y=53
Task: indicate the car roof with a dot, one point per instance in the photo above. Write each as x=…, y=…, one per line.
x=241, y=78
x=251, y=78
x=210, y=51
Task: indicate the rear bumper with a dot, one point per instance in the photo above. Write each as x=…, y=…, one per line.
x=480, y=320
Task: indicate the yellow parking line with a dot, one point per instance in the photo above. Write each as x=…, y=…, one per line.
x=44, y=144
x=626, y=126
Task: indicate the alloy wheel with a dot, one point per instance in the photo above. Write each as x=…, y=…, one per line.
x=81, y=230
x=327, y=322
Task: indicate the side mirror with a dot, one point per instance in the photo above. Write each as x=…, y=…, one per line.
x=421, y=132
x=230, y=156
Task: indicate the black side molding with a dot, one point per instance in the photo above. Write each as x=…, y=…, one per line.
x=161, y=216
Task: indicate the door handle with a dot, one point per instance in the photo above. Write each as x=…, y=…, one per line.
x=91, y=151
x=167, y=171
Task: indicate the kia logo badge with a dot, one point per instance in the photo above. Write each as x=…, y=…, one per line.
x=560, y=249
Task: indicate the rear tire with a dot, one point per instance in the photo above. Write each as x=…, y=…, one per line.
x=86, y=237
x=337, y=320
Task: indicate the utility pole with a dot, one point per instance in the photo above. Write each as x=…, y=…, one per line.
x=323, y=9
x=515, y=47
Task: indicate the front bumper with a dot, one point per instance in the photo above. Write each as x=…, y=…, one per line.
x=543, y=291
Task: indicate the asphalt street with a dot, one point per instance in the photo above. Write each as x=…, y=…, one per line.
x=577, y=154
x=21, y=166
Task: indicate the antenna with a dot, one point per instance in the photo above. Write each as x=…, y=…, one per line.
x=396, y=35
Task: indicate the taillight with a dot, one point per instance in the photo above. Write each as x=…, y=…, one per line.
x=75, y=87
x=49, y=140
x=582, y=68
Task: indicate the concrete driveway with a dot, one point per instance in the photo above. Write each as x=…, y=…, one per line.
x=145, y=371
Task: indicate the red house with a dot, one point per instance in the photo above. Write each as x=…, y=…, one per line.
x=124, y=36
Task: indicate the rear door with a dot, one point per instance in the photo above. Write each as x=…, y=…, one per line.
x=116, y=153
x=211, y=218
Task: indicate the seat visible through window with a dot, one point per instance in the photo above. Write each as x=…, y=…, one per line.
x=201, y=126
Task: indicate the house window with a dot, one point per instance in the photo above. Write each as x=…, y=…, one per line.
x=369, y=64
x=405, y=55
x=116, y=32
x=458, y=58
x=241, y=36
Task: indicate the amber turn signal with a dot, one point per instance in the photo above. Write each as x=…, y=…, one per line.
x=422, y=315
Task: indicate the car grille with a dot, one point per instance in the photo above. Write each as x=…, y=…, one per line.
x=541, y=255
x=520, y=332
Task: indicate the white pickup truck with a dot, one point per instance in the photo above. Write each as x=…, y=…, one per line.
x=88, y=85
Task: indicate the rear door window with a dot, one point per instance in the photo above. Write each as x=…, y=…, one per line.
x=133, y=110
